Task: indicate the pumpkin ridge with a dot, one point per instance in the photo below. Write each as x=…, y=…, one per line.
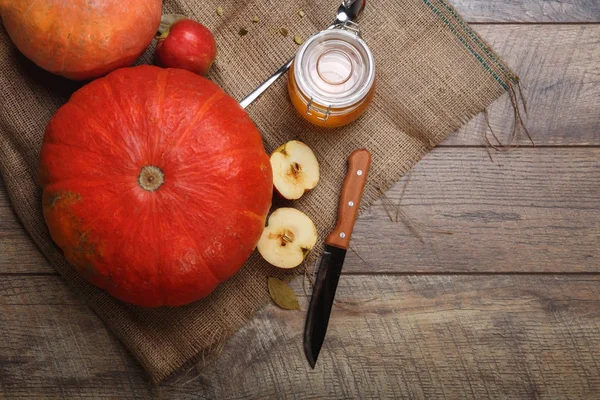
x=191, y=169
x=214, y=189
x=25, y=15
x=144, y=151
x=179, y=216
x=212, y=100
x=66, y=51
x=253, y=215
x=100, y=129
x=130, y=230
x=162, y=89
x=50, y=142
x=89, y=183
x=148, y=7
x=206, y=188
x=107, y=206
x=199, y=250
x=123, y=171
x=160, y=244
x=178, y=199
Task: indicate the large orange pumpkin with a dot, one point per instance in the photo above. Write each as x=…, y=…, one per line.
x=156, y=184
x=81, y=39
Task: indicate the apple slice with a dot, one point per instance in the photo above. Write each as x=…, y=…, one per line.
x=295, y=169
x=288, y=238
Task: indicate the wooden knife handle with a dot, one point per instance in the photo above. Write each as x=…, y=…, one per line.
x=352, y=190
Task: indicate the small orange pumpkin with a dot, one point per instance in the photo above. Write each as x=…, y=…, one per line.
x=156, y=184
x=81, y=39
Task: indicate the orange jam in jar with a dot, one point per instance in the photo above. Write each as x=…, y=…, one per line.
x=332, y=79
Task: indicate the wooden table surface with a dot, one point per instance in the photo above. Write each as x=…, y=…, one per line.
x=506, y=306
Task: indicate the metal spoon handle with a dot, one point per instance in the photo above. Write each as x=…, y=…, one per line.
x=246, y=101
x=263, y=86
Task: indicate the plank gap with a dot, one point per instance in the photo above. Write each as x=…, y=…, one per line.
x=385, y=273
x=520, y=146
x=473, y=274
x=533, y=23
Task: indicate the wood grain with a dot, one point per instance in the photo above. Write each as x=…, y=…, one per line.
x=390, y=336
x=558, y=68
x=52, y=345
x=18, y=254
x=532, y=210
x=502, y=11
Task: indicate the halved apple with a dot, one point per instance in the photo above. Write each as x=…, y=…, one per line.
x=295, y=169
x=288, y=238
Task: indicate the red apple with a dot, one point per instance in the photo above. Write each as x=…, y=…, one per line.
x=186, y=44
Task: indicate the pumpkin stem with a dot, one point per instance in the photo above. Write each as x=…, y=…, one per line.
x=151, y=178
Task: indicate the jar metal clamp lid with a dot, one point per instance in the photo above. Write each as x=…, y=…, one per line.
x=334, y=70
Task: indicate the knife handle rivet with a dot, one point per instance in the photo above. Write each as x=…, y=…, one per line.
x=351, y=203
x=342, y=235
x=359, y=172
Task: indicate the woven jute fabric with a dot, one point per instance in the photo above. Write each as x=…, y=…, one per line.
x=433, y=74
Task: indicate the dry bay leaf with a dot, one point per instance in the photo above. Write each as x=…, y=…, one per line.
x=282, y=294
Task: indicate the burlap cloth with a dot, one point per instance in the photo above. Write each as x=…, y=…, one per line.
x=433, y=74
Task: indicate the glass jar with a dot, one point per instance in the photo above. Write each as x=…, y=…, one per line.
x=332, y=79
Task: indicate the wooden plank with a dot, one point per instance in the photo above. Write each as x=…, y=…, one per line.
x=558, y=67
x=395, y=336
x=428, y=337
x=531, y=210
x=18, y=254
x=52, y=345
x=502, y=11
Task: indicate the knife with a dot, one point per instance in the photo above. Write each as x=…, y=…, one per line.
x=332, y=260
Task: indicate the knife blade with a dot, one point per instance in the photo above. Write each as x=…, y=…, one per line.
x=336, y=245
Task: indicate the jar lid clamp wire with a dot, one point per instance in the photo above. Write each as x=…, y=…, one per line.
x=326, y=113
x=349, y=26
